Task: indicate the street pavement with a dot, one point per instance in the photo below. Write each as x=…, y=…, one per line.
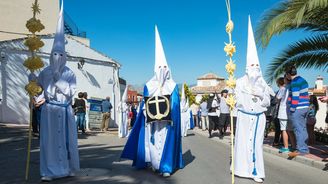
x=206, y=162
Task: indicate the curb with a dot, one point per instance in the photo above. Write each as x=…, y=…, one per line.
x=300, y=159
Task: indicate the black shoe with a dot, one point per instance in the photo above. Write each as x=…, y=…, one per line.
x=210, y=136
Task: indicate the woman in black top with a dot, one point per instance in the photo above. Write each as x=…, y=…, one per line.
x=79, y=108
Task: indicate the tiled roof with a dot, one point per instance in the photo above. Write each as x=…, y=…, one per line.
x=208, y=89
x=210, y=76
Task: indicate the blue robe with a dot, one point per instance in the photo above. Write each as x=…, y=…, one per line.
x=192, y=124
x=171, y=159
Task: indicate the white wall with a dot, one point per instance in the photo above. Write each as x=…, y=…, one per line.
x=93, y=79
x=208, y=82
x=14, y=106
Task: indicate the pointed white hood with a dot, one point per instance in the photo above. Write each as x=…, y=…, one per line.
x=252, y=57
x=162, y=83
x=253, y=69
x=125, y=95
x=58, y=54
x=184, y=101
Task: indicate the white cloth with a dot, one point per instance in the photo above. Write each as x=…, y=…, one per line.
x=154, y=152
x=215, y=105
x=282, y=96
x=185, y=122
x=185, y=113
x=246, y=125
x=123, y=110
x=57, y=124
x=87, y=109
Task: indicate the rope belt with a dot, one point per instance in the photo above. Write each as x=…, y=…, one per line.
x=257, y=122
x=65, y=105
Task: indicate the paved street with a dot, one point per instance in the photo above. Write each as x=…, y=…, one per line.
x=206, y=160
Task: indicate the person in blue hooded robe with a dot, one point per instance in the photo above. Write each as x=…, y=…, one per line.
x=157, y=144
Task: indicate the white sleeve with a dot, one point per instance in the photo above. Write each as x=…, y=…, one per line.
x=280, y=93
x=265, y=102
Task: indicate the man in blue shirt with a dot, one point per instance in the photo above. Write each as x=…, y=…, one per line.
x=106, y=107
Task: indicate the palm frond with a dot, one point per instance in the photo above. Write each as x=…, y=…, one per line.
x=309, y=53
x=295, y=14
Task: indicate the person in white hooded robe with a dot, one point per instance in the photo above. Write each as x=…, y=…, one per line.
x=157, y=144
x=185, y=113
x=123, y=109
x=253, y=98
x=59, y=155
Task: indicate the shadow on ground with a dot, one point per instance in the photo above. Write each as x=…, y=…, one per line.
x=99, y=160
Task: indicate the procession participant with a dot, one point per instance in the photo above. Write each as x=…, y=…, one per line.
x=213, y=118
x=185, y=113
x=155, y=140
x=123, y=110
x=59, y=156
x=253, y=98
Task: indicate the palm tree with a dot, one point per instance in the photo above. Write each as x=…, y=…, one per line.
x=309, y=15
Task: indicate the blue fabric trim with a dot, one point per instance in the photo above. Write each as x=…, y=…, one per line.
x=65, y=105
x=172, y=152
x=192, y=124
x=135, y=146
x=254, y=139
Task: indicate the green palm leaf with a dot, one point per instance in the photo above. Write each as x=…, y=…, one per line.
x=308, y=53
x=294, y=14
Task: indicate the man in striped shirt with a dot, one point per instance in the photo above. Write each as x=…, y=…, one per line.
x=298, y=105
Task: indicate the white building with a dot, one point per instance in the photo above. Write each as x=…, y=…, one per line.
x=320, y=90
x=99, y=75
x=206, y=84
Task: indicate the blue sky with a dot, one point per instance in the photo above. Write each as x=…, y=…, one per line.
x=192, y=33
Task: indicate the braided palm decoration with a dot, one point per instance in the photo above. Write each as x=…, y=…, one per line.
x=230, y=49
x=33, y=63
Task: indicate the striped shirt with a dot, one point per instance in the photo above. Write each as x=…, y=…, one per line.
x=298, y=94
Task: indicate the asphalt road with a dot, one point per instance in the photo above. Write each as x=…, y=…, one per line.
x=206, y=160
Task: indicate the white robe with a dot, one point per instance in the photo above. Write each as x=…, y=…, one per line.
x=185, y=119
x=123, y=109
x=246, y=126
x=58, y=142
x=189, y=118
x=154, y=152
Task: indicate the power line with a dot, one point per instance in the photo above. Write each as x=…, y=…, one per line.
x=16, y=33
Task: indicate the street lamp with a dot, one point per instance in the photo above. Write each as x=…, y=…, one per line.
x=80, y=64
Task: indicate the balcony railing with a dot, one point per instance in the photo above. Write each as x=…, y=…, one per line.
x=71, y=28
